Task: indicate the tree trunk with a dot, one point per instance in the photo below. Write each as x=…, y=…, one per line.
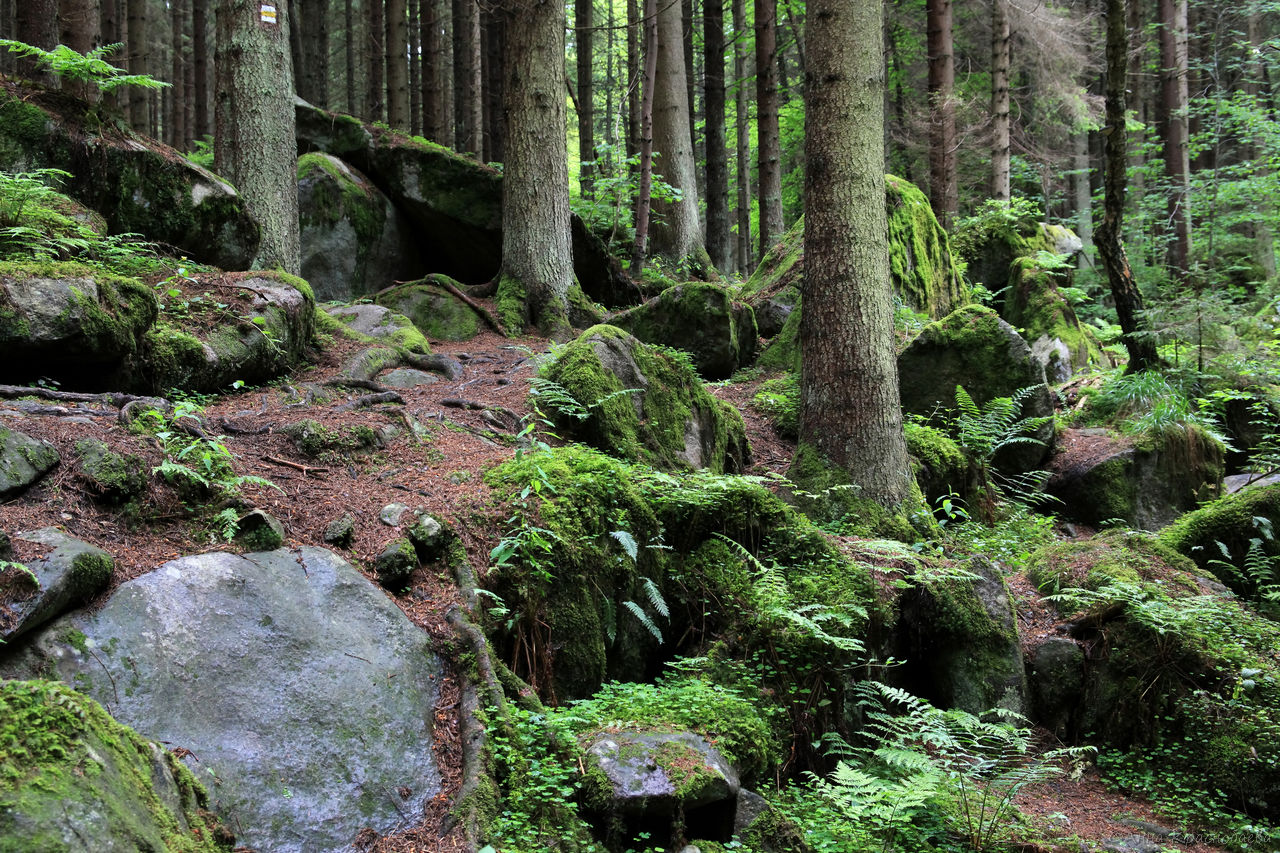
x=1000, y=100
x=719, y=246
x=677, y=235
x=1081, y=171
x=1124, y=291
x=495, y=65
x=468, y=81
x=376, y=97
x=200, y=67
x=943, y=194
x=742, y=139
x=1172, y=124
x=536, y=256
x=178, y=26
x=438, y=70
x=397, y=65
x=37, y=26
x=1264, y=244
x=635, y=27
x=644, y=194
x=79, y=28
x=584, y=37
x=416, y=60
x=255, y=145
x=686, y=43
x=769, y=146
x=138, y=59
x=850, y=413
x=349, y=54
x=313, y=30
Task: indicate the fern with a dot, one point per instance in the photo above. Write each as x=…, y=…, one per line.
x=638, y=612
x=655, y=598
x=89, y=67
x=628, y=543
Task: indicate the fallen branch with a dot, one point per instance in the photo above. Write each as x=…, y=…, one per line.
x=368, y=400
x=305, y=469
x=355, y=382
x=111, y=398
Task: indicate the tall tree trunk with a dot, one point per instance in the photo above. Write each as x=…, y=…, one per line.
x=536, y=258
x=416, y=61
x=178, y=26
x=200, y=67
x=37, y=26
x=677, y=235
x=349, y=54
x=468, y=80
x=376, y=97
x=495, y=62
x=644, y=194
x=686, y=42
x=742, y=138
x=137, y=52
x=1000, y=100
x=768, y=135
x=1264, y=243
x=636, y=26
x=1124, y=291
x=188, y=84
x=1172, y=123
x=1080, y=179
x=438, y=70
x=397, y=64
x=313, y=32
x=719, y=246
x=943, y=195
x=255, y=144
x=583, y=23
x=79, y=28
x=850, y=413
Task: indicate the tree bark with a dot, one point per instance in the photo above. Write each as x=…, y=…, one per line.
x=768, y=135
x=719, y=246
x=398, y=65
x=200, y=68
x=313, y=28
x=495, y=64
x=677, y=235
x=1080, y=179
x=644, y=194
x=943, y=194
x=79, y=28
x=850, y=413
x=742, y=139
x=536, y=255
x=137, y=62
x=583, y=22
x=417, y=58
x=1124, y=291
x=178, y=27
x=438, y=70
x=1000, y=189
x=37, y=23
x=635, y=73
x=255, y=145
x=468, y=81
x=1172, y=125
x=376, y=98
x=349, y=54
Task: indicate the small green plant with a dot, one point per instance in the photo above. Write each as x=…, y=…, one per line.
x=983, y=432
x=89, y=68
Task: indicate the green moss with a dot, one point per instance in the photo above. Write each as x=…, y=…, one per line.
x=1115, y=556
x=828, y=495
x=433, y=310
x=60, y=751
x=783, y=352
x=923, y=267
x=1034, y=304
x=316, y=441
x=1229, y=521
x=342, y=197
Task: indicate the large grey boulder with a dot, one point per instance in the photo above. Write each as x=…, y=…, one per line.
x=73, y=780
x=262, y=335
x=640, y=404
x=23, y=460
x=69, y=575
x=71, y=323
x=304, y=695
x=1145, y=482
x=138, y=184
x=354, y=241
x=705, y=320
x=657, y=773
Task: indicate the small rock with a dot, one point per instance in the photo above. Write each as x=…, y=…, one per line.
x=430, y=538
x=391, y=514
x=396, y=562
x=116, y=478
x=23, y=460
x=259, y=531
x=6, y=546
x=407, y=377
x=1131, y=844
x=68, y=576
x=341, y=531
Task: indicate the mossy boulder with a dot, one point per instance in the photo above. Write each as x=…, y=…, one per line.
x=974, y=348
x=23, y=461
x=433, y=310
x=381, y=324
x=1234, y=521
x=113, y=477
x=354, y=242
x=642, y=404
x=73, y=779
x=396, y=563
x=139, y=185
x=940, y=466
x=650, y=775
x=1035, y=304
x=270, y=327
x=923, y=269
x=1178, y=674
x=69, y=575
x=1145, y=482
x=68, y=322
x=989, y=245
x=959, y=637
x=258, y=530
x=704, y=320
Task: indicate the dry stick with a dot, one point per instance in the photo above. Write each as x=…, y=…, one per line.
x=305, y=469
x=111, y=398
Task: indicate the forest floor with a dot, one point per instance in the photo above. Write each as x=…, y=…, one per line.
x=436, y=463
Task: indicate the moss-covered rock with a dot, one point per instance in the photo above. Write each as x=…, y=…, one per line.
x=940, y=466
x=642, y=404
x=1178, y=675
x=330, y=444
x=396, y=563
x=1034, y=304
x=974, y=348
x=655, y=775
x=378, y=323
x=989, y=244
x=436, y=312
x=73, y=779
x=259, y=531
x=704, y=320
x=23, y=460
x=828, y=494
x=271, y=326
x=68, y=322
x=354, y=242
x=68, y=576
x=139, y=185
x=115, y=478
x=1145, y=482
x=1233, y=521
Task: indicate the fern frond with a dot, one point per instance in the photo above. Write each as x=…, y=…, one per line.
x=638, y=612
x=628, y=543
x=655, y=598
